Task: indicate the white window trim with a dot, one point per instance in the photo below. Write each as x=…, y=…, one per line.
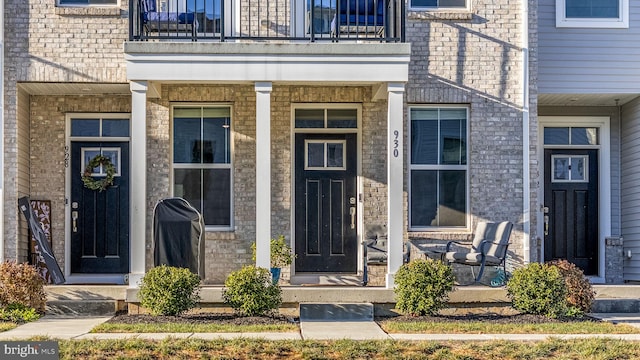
x=229, y=166
x=621, y=22
x=412, y=167
x=467, y=7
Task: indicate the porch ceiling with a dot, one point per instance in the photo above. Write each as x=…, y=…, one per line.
x=41, y=88
x=584, y=99
x=237, y=62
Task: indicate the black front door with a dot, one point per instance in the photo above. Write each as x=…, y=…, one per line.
x=571, y=207
x=100, y=219
x=326, y=203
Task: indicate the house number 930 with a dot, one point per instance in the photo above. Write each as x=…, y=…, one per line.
x=396, y=143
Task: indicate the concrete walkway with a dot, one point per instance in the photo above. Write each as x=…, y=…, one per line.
x=58, y=327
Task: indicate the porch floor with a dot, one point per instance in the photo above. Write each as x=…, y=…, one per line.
x=609, y=298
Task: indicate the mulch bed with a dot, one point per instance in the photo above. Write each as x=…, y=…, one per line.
x=490, y=318
x=235, y=319
x=202, y=318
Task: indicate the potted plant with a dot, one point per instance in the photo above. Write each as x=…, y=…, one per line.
x=281, y=256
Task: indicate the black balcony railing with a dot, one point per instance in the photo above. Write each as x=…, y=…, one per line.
x=223, y=20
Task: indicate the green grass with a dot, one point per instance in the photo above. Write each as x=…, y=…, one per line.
x=588, y=349
x=4, y=326
x=187, y=328
x=479, y=327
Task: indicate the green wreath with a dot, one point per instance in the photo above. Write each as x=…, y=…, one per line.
x=100, y=185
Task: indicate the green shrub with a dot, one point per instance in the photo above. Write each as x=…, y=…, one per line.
x=250, y=291
x=580, y=294
x=281, y=254
x=167, y=290
x=422, y=287
x=21, y=283
x=538, y=289
x=18, y=313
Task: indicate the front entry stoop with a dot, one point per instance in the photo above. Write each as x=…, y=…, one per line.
x=85, y=300
x=336, y=312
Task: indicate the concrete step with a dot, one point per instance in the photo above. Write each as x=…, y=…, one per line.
x=103, y=307
x=336, y=312
x=616, y=305
x=85, y=300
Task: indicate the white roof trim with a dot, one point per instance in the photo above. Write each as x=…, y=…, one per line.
x=365, y=64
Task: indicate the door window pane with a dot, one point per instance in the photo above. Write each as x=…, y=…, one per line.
x=556, y=135
x=578, y=168
x=85, y=127
x=342, y=118
x=309, y=118
x=325, y=155
x=335, y=155
x=115, y=127
x=570, y=168
x=326, y=118
x=560, y=168
x=315, y=155
x=584, y=136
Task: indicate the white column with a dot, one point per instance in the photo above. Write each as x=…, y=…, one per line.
x=395, y=179
x=263, y=174
x=138, y=187
x=2, y=153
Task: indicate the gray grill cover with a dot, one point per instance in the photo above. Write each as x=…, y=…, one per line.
x=178, y=231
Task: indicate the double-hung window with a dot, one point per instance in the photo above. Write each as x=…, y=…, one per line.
x=202, y=161
x=438, y=4
x=592, y=13
x=438, y=167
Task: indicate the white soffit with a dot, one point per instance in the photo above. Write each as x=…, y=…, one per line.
x=364, y=63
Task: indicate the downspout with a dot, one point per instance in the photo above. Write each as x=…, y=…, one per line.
x=2, y=131
x=526, y=163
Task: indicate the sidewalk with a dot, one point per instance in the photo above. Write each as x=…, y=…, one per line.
x=59, y=327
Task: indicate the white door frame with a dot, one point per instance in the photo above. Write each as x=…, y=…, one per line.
x=85, y=278
x=604, y=176
x=322, y=278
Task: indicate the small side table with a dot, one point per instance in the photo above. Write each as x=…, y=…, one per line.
x=436, y=255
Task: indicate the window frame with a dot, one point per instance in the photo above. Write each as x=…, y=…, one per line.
x=204, y=166
x=437, y=167
x=621, y=22
x=467, y=7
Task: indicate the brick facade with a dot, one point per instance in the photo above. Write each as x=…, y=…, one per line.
x=472, y=60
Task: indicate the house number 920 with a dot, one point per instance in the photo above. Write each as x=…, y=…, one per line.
x=396, y=143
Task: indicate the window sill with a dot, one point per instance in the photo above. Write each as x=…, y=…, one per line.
x=440, y=15
x=88, y=11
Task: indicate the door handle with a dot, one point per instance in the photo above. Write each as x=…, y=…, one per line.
x=74, y=217
x=352, y=212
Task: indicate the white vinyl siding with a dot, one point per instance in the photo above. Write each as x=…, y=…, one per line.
x=630, y=188
x=587, y=60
